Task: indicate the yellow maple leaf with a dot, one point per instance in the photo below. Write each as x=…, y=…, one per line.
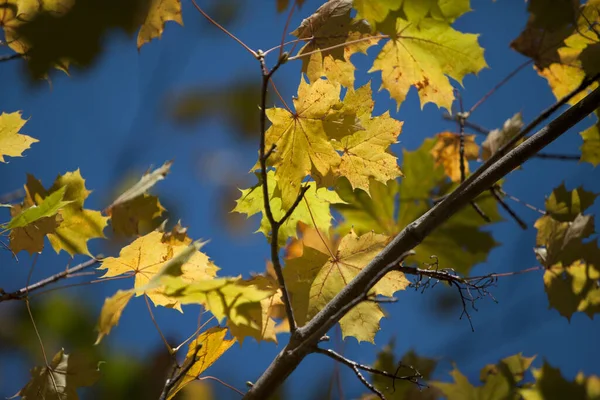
x=159, y=12
x=376, y=11
x=590, y=149
x=136, y=216
x=315, y=278
x=78, y=225
x=365, y=154
x=13, y=143
x=145, y=257
x=202, y=352
x=446, y=152
x=111, y=312
x=328, y=29
x=303, y=138
x=424, y=55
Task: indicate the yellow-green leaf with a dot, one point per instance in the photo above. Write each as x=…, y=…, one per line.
x=551, y=385
x=13, y=143
x=47, y=208
x=315, y=278
x=590, y=150
x=313, y=209
x=424, y=55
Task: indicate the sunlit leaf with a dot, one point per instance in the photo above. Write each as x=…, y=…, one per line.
x=159, y=13
x=13, y=143
x=446, y=152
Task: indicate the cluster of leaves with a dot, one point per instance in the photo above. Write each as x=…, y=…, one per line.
x=327, y=153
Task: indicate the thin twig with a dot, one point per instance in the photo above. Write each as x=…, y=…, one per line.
x=231, y=35
x=566, y=157
x=516, y=199
x=21, y=293
x=222, y=383
x=509, y=210
x=468, y=124
x=266, y=77
x=285, y=28
x=286, y=43
x=11, y=57
x=280, y=97
x=500, y=84
x=356, y=367
x=169, y=348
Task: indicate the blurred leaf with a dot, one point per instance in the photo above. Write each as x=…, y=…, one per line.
x=550, y=385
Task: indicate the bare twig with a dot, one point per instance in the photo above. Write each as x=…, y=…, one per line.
x=67, y=273
x=357, y=367
x=231, y=35
x=169, y=348
x=509, y=210
x=227, y=385
x=177, y=374
x=9, y=57
x=565, y=157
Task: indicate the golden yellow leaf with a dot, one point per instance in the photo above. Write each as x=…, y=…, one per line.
x=424, y=55
x=446, y=152
x=111, y=312
x=203, y=352
x=315, y=278
x=366, y=154
x=159, y=13
x=145, y=257
x=303, y=138
x=13, y=143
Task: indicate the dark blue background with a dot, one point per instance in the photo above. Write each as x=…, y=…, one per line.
x=112, y=118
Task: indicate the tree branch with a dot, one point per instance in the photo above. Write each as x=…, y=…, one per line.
x=266, y=77
x=22, y=293
x=305, y=338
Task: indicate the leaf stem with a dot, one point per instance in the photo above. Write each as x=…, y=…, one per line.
x=266, y=77
x=169, y=348
x=231, y=35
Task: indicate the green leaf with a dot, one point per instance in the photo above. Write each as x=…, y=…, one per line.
x=47, y=208
x=551, y=385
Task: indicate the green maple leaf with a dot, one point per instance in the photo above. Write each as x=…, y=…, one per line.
x=313, y=210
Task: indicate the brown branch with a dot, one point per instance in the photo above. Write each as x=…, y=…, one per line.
x=10, y=57
x=266, y=77
x=302, y=342
x=177, y=374
x=67, y=273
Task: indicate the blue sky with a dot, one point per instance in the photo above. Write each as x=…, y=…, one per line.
x=111, y=119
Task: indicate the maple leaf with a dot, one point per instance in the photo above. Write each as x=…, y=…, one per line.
x=159, y=13
x=424, y=55
x=564, y=205
x=146, y=257
x=233, y=298
x=111, y=312
x=47, y=208
x=414, y=10
x=202, y=353
x=315, y=278
x=332, y=31
x=499, y=381
x=60, y=380
x=366, y=154
x=551, y=385
x=590, y=150
x=303, y=138
x=77, y=225
x=13, y=143
x=572, y=48
x=458, y=243
x=497, y=138
x=31, y=237
x=313, y=209
x=446, y=152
